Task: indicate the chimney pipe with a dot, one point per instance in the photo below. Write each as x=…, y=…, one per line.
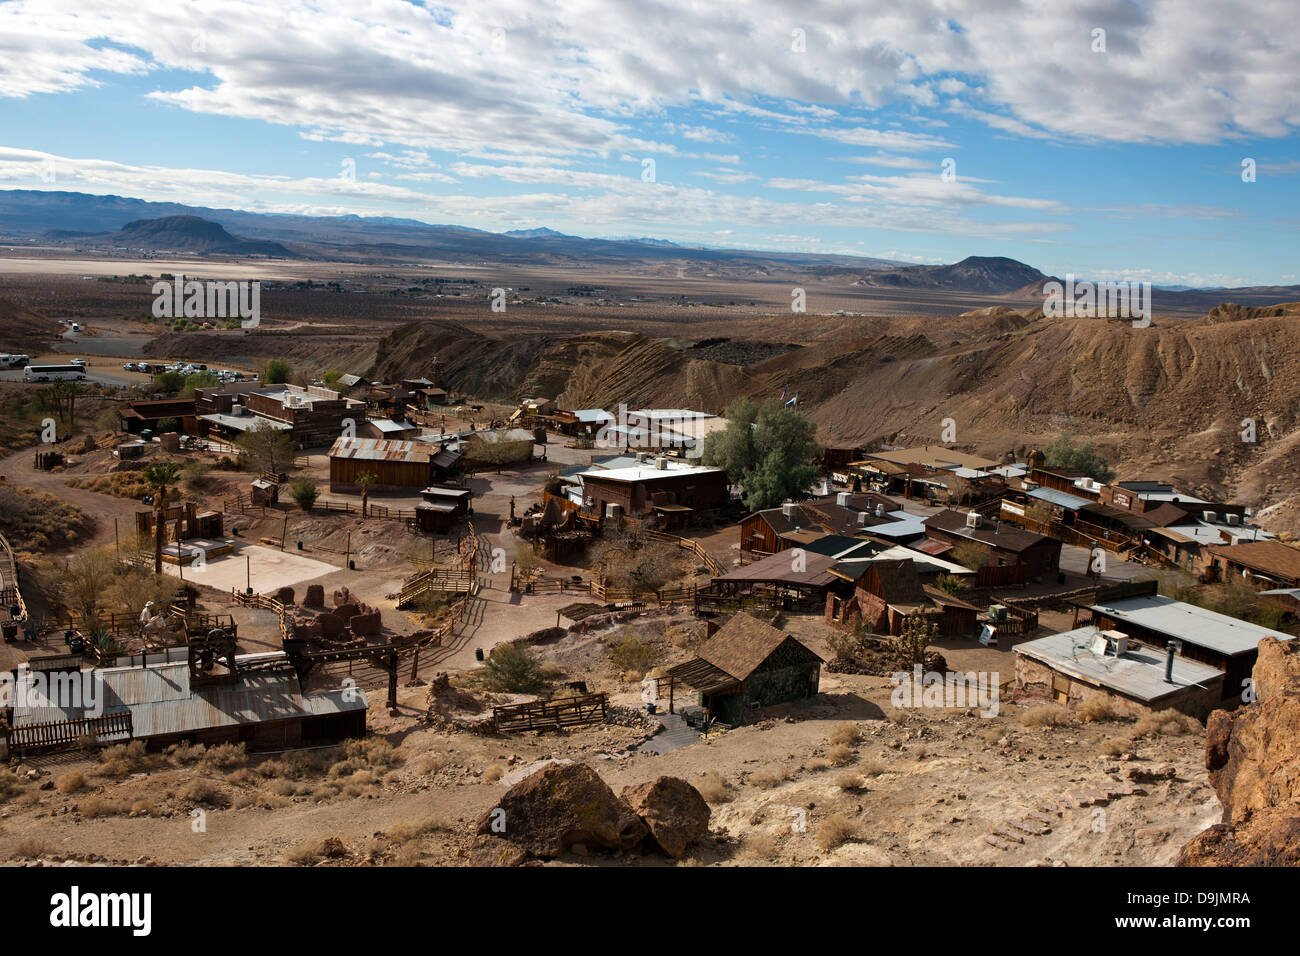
x=1170, y=649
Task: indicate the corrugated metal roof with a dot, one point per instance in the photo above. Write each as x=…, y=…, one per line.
x=162, y=703
x=1061, y=499
x=1189, y=623
x=1139, y=674
x=379, y=449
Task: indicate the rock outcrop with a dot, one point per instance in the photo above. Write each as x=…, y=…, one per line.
x=561, y=806
x=566, y=806
x=675, y=812
x=1253, y=755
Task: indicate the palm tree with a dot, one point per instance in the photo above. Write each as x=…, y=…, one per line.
x=365, y=480
x=158, y=476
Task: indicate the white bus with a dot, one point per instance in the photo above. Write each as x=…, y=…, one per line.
x=54, y=373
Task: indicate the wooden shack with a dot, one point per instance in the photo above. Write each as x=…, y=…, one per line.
x=748, y=665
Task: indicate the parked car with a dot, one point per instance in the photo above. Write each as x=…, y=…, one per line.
x=77, y=361
x=130, y=367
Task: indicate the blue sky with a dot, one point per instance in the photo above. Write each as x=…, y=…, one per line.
x=812, y=126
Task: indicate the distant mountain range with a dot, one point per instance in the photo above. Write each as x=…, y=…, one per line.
x=174, y=234
x=994, y=275
x=82, y=220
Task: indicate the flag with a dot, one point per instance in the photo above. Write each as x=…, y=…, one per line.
x=784, y=389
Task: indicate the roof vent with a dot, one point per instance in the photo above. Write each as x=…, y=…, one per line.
x=1232, y=519
x=843, y=498
x=862, y=519
x=1110, y=644
x=880, y=509
x=787, y=508
x=661, y=463
x=1209, y=516
x=974, y=520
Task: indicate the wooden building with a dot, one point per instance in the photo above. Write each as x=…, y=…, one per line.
x=441, y=508
x=748, y=665
x=177, y=414
x=668, y=489
x=890, y=591
x=314, y=415
x=1035, y=555
x=1225, y=643
x=845, y=513
x=1262, y=564
x=396, y=465
x=1136, y=678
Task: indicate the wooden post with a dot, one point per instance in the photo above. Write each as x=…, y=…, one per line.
x=415, y=665
x=392, y=682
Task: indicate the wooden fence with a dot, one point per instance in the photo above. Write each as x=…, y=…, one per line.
x=60, y=734
x=266, y=602
x=688, y=544
x=551, y=714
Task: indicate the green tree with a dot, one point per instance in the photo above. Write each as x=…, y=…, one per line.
x=304, y=492
x=1064, y=453
x=277, y=372
x=365, y=480
x=199, y=380
x=267, y=447
x=159, y=475
x=512, y=668
x=770, y=450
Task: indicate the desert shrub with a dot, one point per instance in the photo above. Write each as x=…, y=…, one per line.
x=846, y=734
x=1168, y=723
x=513, y=668
x=817, y=765
x=100, y=807
x=767, y=779
x=28, y=848
x=306, y=854
x=195, y=475
x=841, y=755
x=202, y=792
x=223, y=757
x=121, y=759
x=10, y=784
x=952, y=584
x=185, y=753
x=763, y=845
x=551, y=671
x=304, y=492
x=1114, y=746
x=70, y=782
x=835, y=830
x=632, y=653
x=849, y=782
x=873, y=767
x=713, y=787
x=39, y=522
x=373, y=752
x=141, y=807
x=1045, y=715
x=493, y=774
x=1096, y=707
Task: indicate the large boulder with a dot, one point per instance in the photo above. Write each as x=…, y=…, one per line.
x=1253, y=755
x=559, y=806
x=675, y=812
x=315, y=596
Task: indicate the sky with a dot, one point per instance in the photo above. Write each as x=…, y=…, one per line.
x=1113, y=140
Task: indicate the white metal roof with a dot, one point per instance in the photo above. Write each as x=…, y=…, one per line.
x=1189, y=623
x=1139, y=673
